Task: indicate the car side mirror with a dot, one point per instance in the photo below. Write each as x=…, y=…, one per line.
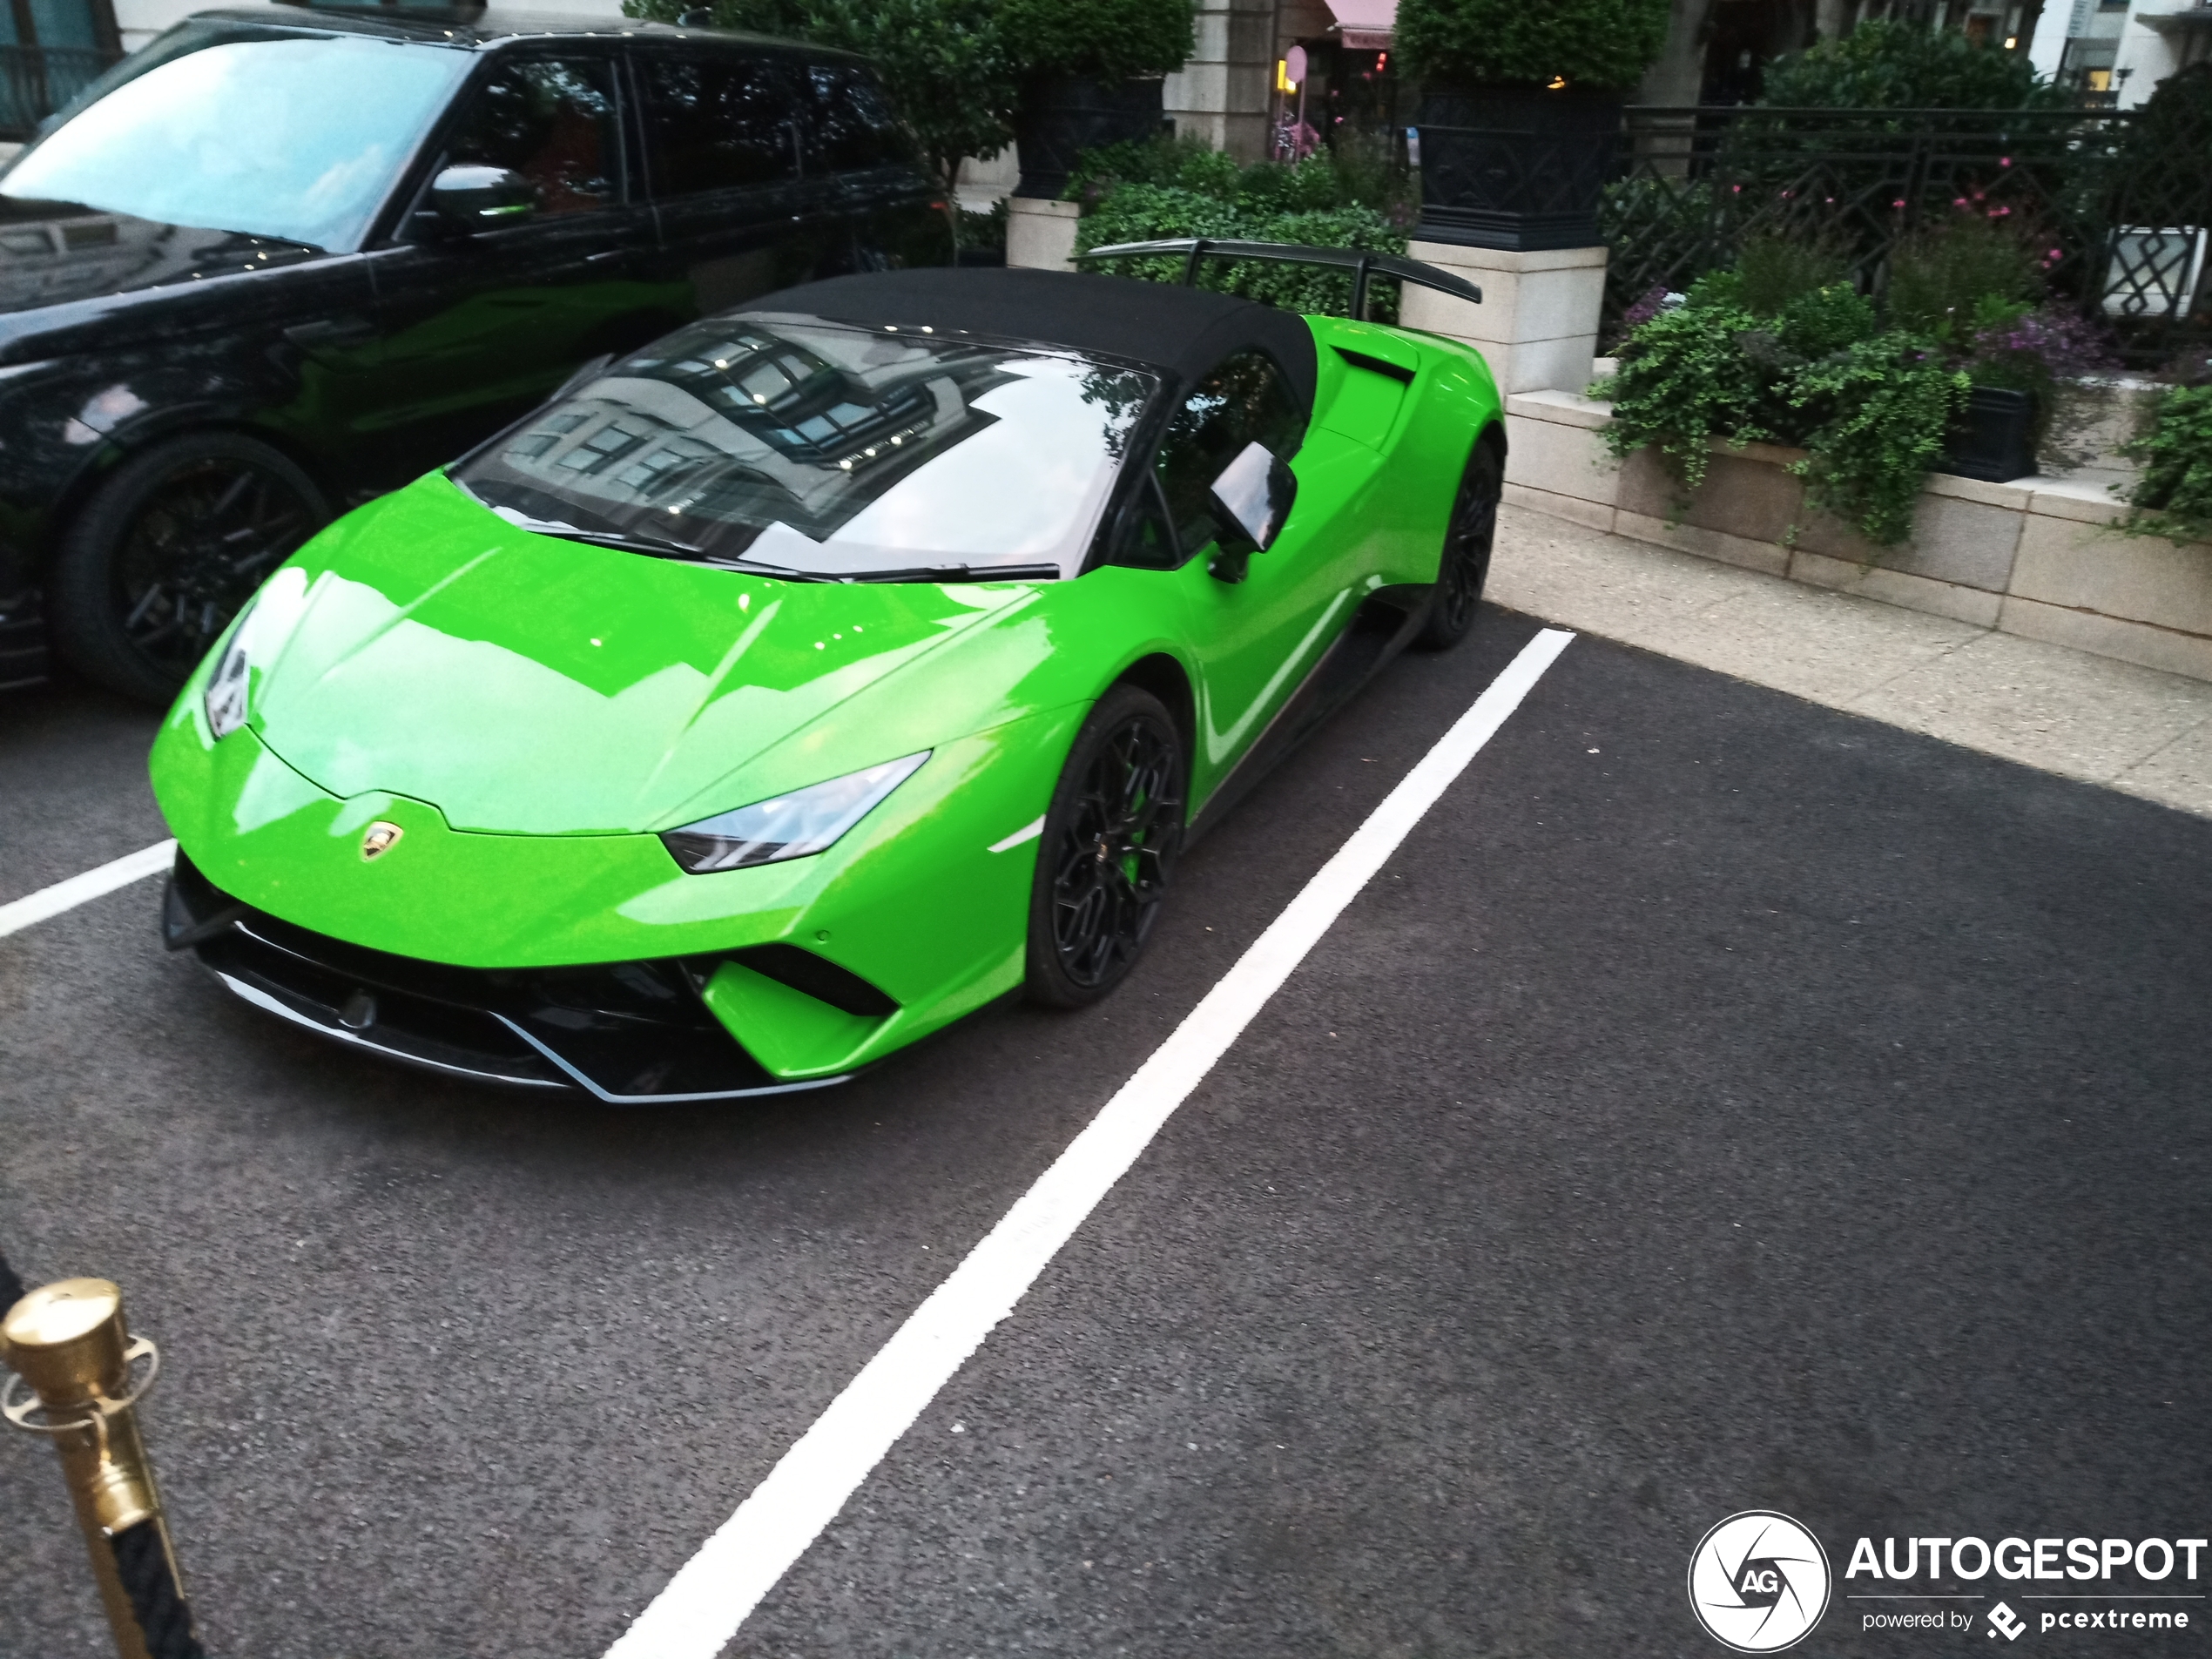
x=466, y=198
x=1249, y=500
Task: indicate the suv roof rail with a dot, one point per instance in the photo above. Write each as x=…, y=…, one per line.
x=1361, y=263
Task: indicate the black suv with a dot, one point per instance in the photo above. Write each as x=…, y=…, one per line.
x=269, y=266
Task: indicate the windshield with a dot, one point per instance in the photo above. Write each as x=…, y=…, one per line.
x=826, y=449
x=292, y=138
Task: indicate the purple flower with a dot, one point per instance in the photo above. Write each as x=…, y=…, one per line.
x=1653, y=302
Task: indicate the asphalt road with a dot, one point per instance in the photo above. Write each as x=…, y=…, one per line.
x=1718, y=1102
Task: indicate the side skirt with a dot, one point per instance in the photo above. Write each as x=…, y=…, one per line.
x=1384, y=624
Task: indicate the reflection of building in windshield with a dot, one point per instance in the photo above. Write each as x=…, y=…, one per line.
x=743, y=425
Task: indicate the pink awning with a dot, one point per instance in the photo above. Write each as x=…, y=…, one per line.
x=1365, y=25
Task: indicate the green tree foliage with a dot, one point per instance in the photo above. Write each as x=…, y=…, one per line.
x=942, y=61
x=1104, y=40
x=1598, y=45
x=2166, y=160
x=1884, y=64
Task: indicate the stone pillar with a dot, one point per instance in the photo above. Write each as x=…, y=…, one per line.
x=1040, y=235
x=1221, y=94
x=1537, y=324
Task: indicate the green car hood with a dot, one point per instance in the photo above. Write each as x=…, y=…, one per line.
x=526, y=684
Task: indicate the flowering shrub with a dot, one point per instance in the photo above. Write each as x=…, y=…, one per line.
x=1871, y=406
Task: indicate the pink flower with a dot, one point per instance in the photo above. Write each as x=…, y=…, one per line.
x=1900, y=202
x=2004, y=161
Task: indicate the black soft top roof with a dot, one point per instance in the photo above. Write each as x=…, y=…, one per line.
x=1184, y=330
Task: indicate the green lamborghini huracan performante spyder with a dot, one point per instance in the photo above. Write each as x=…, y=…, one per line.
x=814, y=677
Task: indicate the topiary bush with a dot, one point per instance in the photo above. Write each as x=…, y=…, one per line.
x=1885, y=65
x=1595, y=45
x=1102, y=40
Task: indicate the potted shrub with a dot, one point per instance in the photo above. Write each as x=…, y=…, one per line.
x=1521, y=112
x=1089, y=75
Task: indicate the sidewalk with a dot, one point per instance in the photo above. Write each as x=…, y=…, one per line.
x=2129, y=728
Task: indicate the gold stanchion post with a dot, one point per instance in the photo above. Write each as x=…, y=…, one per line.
x=69, y=1342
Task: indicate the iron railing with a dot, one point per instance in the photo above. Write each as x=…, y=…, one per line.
x=2121, y=232
x=35, y=81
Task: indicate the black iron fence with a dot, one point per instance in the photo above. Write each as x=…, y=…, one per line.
x=35, y=81
x=2121, y=231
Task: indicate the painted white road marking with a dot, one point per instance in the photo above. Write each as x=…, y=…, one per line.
x=81, y=889
x=1029, y=831
x=699, y=1609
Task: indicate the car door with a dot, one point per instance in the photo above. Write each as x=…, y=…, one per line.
x=736, y=212
x=472, y=329
x=1258, y=625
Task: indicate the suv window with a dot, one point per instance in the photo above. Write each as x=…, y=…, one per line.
x=715, y=122
x=1243, y=399
x=849, y=123
x=552, y=120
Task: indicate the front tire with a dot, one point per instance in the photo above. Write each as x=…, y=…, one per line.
x=1109, y=850
x=1465, y=565
x=168, y=547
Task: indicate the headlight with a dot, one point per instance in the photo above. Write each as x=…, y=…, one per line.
x=791, y=826
x=226, y=700
x=261, y=629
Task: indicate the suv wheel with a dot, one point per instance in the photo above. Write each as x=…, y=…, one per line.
x=167, y=548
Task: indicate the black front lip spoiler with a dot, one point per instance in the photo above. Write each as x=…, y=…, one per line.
x=625, y=1033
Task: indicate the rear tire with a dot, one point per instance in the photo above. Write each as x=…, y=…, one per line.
x=167, y=550
x=1108, y=849
x=1465, y=565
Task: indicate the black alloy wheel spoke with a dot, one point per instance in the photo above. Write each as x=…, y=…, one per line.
x=202, y=543
x=1111, y=864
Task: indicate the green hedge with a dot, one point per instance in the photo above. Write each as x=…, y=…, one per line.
x=1154, y=192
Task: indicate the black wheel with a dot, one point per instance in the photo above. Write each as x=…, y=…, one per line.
x=1108, y=850
x=1465, y=564
x=167, y=549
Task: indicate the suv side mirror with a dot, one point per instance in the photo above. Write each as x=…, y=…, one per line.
x=468, y=198
x=1249, y=500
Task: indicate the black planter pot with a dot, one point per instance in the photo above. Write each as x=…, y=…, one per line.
x=1993, y=438
x=1059, y=119
x=1514, y=167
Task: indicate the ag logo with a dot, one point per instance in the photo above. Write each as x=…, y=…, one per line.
x=1758, y=1582
x=381, y=838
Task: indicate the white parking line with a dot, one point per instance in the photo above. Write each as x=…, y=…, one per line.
x=698, y=1612
x=20, y=913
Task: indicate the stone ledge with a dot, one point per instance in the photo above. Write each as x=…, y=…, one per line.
x=2031, y=556
x=1899, y=588
x=1573, y=510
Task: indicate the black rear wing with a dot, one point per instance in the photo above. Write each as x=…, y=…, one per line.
x=1362, y=264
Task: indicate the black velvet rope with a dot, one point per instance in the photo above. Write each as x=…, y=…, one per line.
x=165, y=1616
